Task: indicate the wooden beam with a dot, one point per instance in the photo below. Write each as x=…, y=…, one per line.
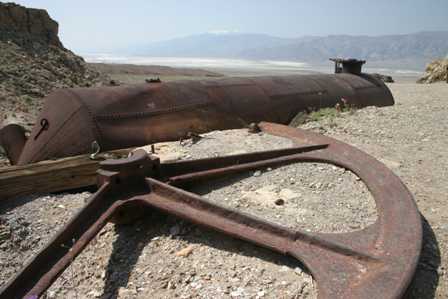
x=52, y=175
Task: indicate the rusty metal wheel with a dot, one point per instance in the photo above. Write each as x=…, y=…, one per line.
x=376, y=262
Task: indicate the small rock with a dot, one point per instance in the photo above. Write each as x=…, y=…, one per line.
x=239, y=292
x=171, y=285
x=185, y=252
x=175, y=230
x=126, y=293
x=391, y=164
x=95, y=293
x=257, y=173
x=287, y=194
x=354, y=225
x=284, y=269
x=279, y=202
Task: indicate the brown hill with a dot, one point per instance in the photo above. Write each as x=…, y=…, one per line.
x=27, y=27
x=33, y=62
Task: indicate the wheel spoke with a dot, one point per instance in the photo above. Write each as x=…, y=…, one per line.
x=324, y=256
x=57, y=255
x=376, y=262
x=179, y=173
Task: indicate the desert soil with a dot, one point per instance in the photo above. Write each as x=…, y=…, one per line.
x=161, y=256
x=131, y=74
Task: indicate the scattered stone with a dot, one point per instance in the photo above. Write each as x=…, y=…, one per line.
x=114, y=83
x=95, y=293
x=146, y=256
x=237, y=293
x=279, y=202
x=391, y=164
x=287, y=194
x=124, y=293
x=175, y=230
x=186, y=251
x=384, y=78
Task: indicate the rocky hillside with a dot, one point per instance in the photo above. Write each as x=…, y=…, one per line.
x=30, y=28
x=436, y=71
x=33, y=62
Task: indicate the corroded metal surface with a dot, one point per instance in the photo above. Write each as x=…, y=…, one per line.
x=126, y=116
x=12, y=138
x=376, y=262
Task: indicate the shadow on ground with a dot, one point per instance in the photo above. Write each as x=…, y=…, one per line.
x=129, y=244
x=426, y=278
x=128, y=247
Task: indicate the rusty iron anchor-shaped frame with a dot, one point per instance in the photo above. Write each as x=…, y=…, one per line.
x=376, y=262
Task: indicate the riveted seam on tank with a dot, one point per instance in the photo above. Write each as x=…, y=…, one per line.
x=95, y=128
x=305, y=93
x=322, y=91
x=118, y=116
x=46, y=145
x=365, y=87
x=350, y=83
x=223, y=84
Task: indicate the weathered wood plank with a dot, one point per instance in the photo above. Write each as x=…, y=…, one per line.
x=52, y=175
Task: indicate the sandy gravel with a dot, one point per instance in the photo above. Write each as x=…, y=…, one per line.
x=142, y=260
x=411, y=138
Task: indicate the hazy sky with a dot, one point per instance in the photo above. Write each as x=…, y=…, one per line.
x=100, y=25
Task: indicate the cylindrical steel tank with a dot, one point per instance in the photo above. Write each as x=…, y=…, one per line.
x=135, y=115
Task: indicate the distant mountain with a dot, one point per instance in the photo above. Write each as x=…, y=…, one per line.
x=413, y=50
x=229, y=45
x=423, y=45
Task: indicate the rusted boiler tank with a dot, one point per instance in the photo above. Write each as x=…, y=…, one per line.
x=135, y=115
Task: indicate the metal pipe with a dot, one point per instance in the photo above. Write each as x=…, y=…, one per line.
x=135, y=115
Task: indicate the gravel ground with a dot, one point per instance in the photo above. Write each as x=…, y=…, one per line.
x=411, y=139
x=163, y=257
x=143, y=259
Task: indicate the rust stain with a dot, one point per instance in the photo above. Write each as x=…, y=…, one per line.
x=137, y=115
x=376, y=262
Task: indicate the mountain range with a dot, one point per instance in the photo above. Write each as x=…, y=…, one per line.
x=412, y=50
